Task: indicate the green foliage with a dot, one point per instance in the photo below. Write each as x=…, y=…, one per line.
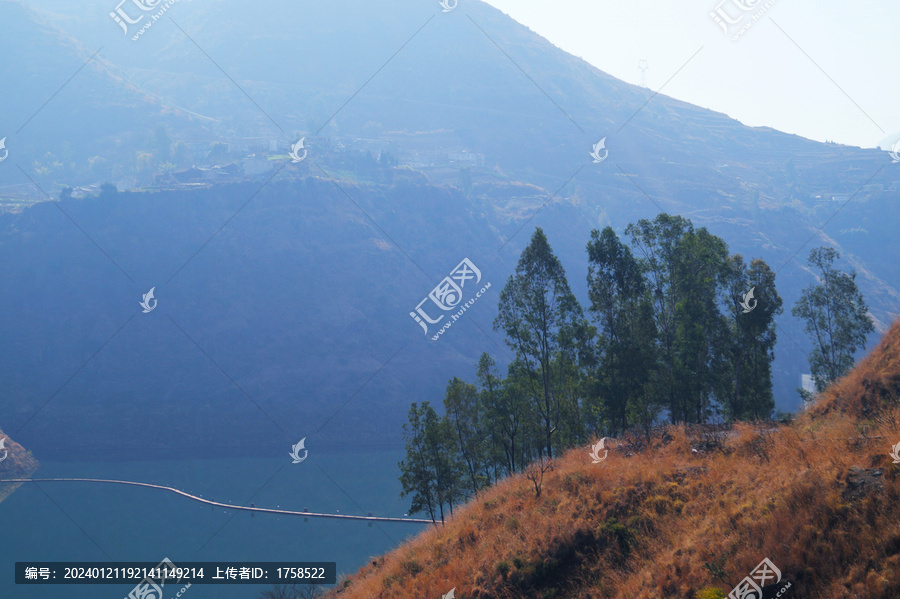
x=623, y=358
x=503, y=414
x=502, y=568
x=710, y=593
x=540, y=316
x=746, y=379
x=411, y=567
x=684, y=269
x=463, y=414
x=836, y=316
x=620, y=533
x=784, y=417
x=430, y=472
x=667, y=332
x=716, y=567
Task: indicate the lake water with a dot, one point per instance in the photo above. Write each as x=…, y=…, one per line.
x=72, y=521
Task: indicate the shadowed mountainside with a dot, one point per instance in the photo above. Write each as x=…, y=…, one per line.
x=287, y=296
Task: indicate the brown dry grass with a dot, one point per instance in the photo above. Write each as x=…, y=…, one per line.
x=644, y=526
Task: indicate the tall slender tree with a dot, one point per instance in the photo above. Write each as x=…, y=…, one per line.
x=625, y=344
x=444, y=461
x=747, y=377
x=431, y=471
x=502, y=417
x=416, y=474
x=685, y=271
x=462, y=409
x=702, y=267
x=539, y=314
x=836, y=315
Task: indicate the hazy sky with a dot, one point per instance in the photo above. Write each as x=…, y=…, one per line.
x=763, y=78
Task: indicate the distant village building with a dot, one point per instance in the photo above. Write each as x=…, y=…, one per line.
x=426, y=158
x=87, y=190
x=874, y=187
x=216, y=173
x=189, y=175
x=841, y=198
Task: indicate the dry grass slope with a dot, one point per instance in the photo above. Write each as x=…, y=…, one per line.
x=656, y=519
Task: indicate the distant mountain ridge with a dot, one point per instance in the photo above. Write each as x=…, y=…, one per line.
x=273, y=72
x=435, y=72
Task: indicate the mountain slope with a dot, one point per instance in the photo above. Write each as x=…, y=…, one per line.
x=297, y=310
x=360, y=69
x=449, y=88
x=68, y=104
x=817, y=497
x=408, y=78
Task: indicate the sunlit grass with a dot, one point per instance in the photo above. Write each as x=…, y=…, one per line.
x=667, y=522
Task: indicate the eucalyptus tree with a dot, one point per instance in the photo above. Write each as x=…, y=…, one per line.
x=686, y=270
x=751, y=304
x=467, y=423
x=540, y=316
x=624, y=358
x=836, y=315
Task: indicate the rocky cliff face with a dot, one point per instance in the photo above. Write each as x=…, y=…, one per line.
x=17, y=462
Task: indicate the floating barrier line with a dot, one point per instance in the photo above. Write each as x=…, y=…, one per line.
x=216, y=503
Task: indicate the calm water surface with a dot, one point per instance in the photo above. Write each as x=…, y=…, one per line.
x=68, y=521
